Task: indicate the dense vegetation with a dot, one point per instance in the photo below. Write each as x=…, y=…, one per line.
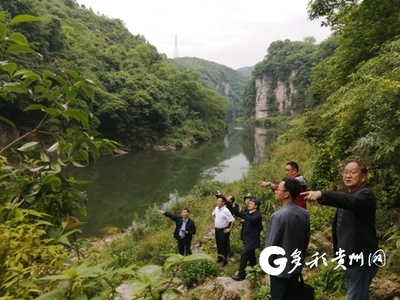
x=140, y=99
x=224, y=80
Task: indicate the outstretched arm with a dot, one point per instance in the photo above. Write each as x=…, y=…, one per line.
x=312, y=195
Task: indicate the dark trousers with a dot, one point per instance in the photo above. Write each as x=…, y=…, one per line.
x=284, y=288
x=222, y=240
x=358, y=280
x=247, y=255
x=184, y=246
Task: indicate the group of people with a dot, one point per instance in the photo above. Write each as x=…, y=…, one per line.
x=353, y=230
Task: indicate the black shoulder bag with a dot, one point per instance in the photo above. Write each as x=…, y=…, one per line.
x=304, y=290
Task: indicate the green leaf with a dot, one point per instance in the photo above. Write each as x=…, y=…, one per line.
x=7, y=121
x=77, y=115
x=34, y=107
x=39, y=88
x=54, y=147
x=24, y=73
x=88, y=91
x=28, y=80
x=1, y=17
x=47, y=73
x=24, y=18
x=44, y=157
x=56, y=294
x=138, y=287
x=72, y=73
x=28, y=146
x=73, y=148
x=9, y=68
x=19, y=48
x=19, y=39
x=47, y=82
x=3, y=30
x=76, y=164
x=60, y=80
x=64, y=240
x=71, y=94
x=55, y=167
x=52, y=111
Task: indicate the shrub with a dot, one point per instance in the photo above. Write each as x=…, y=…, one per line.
x=328, y=282
x=195, y=272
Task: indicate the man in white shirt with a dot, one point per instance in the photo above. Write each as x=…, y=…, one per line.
x=223, y=223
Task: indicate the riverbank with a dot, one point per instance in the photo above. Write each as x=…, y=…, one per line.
x=152, y=241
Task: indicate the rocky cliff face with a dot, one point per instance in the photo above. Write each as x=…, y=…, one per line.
x=224, y=88
x=281, y=95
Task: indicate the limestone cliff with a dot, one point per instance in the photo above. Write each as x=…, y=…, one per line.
x=274, y=97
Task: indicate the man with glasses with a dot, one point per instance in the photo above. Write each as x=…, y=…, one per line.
x=289, y=229
x=353, y=229
x=291, y=171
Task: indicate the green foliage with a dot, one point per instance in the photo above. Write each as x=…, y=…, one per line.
x=141, y=98
x=328, y=282
x=26, y=253
x=84, y=281
x=262, y=293
x=321, y=217
x=393, y=235
x=195, y=273
x=155, y=281
x=122, y=252
x=31, y=238
x=227, y=82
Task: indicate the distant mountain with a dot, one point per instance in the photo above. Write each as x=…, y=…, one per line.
x=246, y=71
x=228, y=82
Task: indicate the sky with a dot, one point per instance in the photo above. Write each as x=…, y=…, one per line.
x=228, y=32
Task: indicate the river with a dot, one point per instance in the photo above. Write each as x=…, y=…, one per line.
x=123, y=185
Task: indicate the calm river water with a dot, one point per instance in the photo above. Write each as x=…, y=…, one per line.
x=127, y=184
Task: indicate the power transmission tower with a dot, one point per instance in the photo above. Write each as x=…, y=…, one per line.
x=176, y=47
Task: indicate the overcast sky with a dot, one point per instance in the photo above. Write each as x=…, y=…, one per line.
x=229, y=32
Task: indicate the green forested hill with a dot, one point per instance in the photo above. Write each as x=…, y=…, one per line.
x=226, y=81
x=140, y=99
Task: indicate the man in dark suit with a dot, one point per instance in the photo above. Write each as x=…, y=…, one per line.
x=353, y=228
x=251, y=229
x=289, y=229
x=184, y=230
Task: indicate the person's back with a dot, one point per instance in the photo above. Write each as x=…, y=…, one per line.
x=289, y=231
x=293, y=224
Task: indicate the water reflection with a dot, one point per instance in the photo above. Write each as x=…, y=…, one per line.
x=128, y=184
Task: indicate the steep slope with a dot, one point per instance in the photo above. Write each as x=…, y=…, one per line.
x=226, y=81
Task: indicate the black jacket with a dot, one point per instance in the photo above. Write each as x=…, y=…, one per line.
x=190, y=226
x=357, y=233
x=251, y=228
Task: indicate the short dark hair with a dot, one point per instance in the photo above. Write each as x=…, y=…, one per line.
x=293, y=186
x=232, y=198
x=360, y=164
x=294, y=165
x=256, y=202
x=187, y=209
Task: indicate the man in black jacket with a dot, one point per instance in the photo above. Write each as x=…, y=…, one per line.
x=354, y=234
x=251, y=229
x=184, y=230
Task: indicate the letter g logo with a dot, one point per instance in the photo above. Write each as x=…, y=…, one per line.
x=280, y=262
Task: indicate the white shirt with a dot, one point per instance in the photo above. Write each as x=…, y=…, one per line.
x=222, y=217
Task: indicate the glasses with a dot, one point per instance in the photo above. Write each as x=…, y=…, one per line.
x=351, y=173
x=280, y=190
x=288, y=170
